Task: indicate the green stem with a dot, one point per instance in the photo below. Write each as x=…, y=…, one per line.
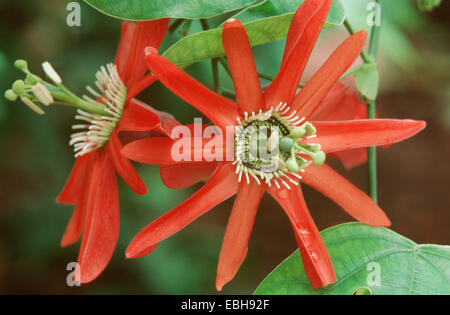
x=173, y=27
x=375, y=36
x=215, y=71
x=214, y=62
x=370, y=58
x=265, y=76
x=372, y=158
x=185, y=28
x=371, y=113
x=227, y=93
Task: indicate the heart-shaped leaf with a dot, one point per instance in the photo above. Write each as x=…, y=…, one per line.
x=142, y=10
x=264, y=22
x=368, y=260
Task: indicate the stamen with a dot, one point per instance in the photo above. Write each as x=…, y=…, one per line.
x=112, y=95
x=42, y=94
x=51, y=73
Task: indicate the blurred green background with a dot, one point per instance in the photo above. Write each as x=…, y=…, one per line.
x=35, y=158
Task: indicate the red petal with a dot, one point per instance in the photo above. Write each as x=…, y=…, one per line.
x=140, y=85
x=307, y=101
x=101, y=228
x=222, y=185
x=239, y=228
x=180, y=176
x=355, y=202
x=75, y=226
x=220, y=110
x=162, y=151
x=149, y=33
x=339, y=104
x=351, y=158
x=298, y=24
x=70, y=192
x=336, y=136
x=306, y=26
x=138, y=118
x=242, y=65
x=123, y=51
x=123, y=166
x=316, y=260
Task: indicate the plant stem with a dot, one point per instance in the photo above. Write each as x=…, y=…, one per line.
x=174, y=25
x=215, y=71
x=369, y=58
x=371, y=113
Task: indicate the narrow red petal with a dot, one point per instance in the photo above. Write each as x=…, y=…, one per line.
x=307, y=101
x=180, y=176
x=222, y=185
x=70, y=192
x=148, y=33
x=123, y=51
x=308, y=22
x=75, y=226
x=220, y=110
x=336, y=136
x=102, y=222
x=242, y=65
x=240, y=225
x=165, y=151
x=123, y=166
x=355, y=202
x=298, y=24
x=339, y=104
x=139, y=85
x=315, y=257
x=137, y=118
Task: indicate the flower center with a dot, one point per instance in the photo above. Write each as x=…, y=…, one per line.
x=99, y=113
x=269, y=148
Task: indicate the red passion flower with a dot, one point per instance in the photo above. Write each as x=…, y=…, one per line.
x=302, y=141
x=92, y=185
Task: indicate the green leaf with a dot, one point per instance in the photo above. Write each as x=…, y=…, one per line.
x=142, y=10
x=264, y=22
x=368, y=260
x=367, y=79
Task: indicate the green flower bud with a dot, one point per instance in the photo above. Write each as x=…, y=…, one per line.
x=19, y=87
x=11, y=95
x=21, y=64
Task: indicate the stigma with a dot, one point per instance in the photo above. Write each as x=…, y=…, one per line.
x=269, y=147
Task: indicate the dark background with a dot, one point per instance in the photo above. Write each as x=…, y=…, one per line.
x=35, y=158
